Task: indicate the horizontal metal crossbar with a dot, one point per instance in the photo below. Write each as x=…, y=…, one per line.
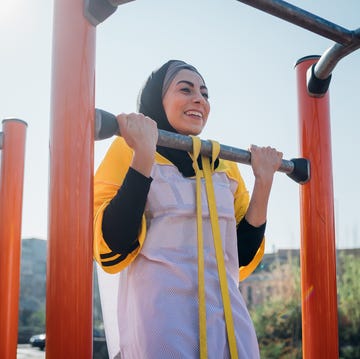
x=106, y=125
x=346, y=41
x=304, y=19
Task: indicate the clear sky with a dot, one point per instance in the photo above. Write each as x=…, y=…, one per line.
x=247, y=58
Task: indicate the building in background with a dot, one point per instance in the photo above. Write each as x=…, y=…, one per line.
x=32, y=304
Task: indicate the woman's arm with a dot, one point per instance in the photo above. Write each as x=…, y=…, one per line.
x=251, y=229
x=122, y=217
x=265, y=161
x=249, y=239
x=141, y=134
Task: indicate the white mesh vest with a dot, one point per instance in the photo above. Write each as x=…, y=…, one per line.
x=150, y=309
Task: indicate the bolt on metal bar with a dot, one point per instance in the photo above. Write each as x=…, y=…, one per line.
x=303, y=19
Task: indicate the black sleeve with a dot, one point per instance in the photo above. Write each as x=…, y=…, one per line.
x=249, y=239
x=122, y=217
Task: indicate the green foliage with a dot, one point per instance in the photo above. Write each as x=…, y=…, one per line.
x=349, y=306
x=279, y=330
x=30, y=323
x=37, y=319
x=277, y=320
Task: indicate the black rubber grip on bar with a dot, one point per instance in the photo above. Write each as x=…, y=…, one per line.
x=96, y=11
x=106, y=125
x=301, y=172
x=315, y=86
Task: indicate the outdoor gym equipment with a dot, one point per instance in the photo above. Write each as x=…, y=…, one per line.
x=71, y=172
x=346, y=41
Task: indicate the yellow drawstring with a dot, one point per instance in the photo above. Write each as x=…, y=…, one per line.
x=207, y=171
x=219, y=258
x=201, y=275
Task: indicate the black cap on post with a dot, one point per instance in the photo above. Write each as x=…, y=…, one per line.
x=316, y=87
x=96, y=11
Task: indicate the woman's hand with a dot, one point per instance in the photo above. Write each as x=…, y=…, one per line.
x=141, y=134
x=265, y=161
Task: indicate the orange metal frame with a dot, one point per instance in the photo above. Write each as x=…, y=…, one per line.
x=318, y=253
x=11, y=193
x=69, y=267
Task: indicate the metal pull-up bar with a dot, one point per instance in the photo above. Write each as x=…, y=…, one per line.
x=318, y=76
x=330, y=58
x=347, y=41
x=106, y=126
x=304, y=19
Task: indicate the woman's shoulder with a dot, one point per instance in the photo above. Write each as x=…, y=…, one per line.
x=120, y=145
x=116, y=160
x=229, y=167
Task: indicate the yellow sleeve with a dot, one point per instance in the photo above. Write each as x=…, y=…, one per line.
x=241, y=203
x=108, y=179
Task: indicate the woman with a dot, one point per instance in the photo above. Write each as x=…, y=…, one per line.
x=172, y=299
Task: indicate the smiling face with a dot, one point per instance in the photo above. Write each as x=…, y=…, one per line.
x=186, y=103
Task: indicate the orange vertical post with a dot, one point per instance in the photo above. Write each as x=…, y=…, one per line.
x=11, y=193
x=318, y=253
x=69, y=266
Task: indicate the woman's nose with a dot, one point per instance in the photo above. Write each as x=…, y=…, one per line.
x=199, y=97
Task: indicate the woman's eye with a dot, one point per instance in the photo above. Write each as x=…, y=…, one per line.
x=185, y=89
x=205, y=95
